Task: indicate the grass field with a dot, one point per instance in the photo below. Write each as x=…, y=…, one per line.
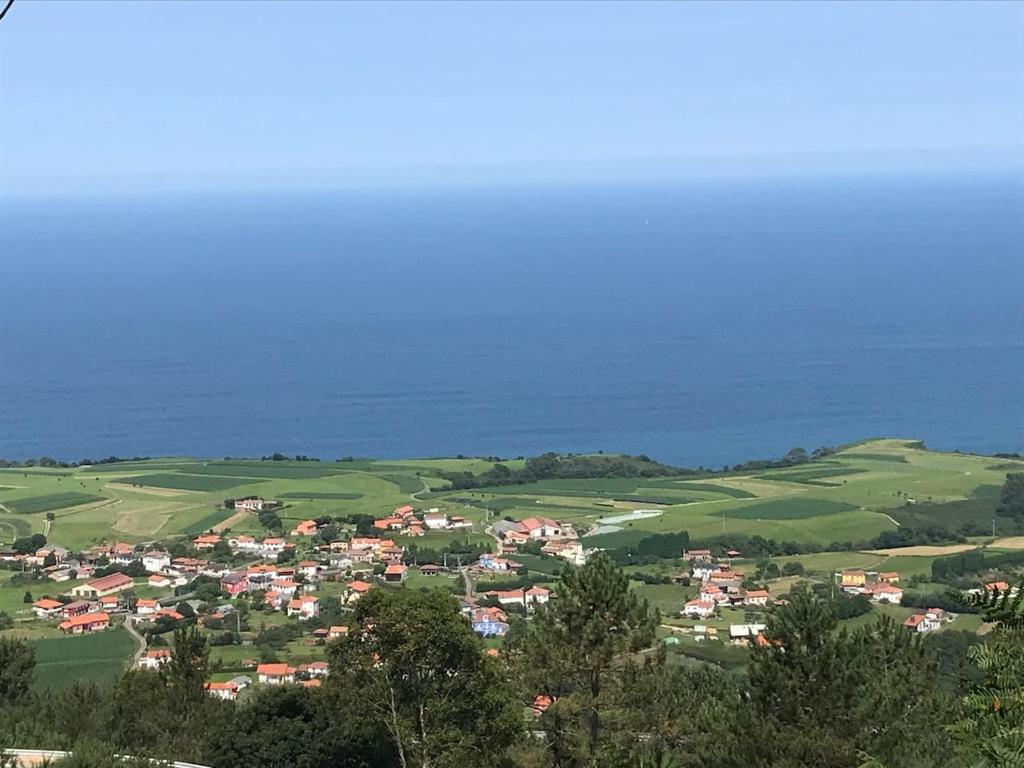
x=188, y=482
x=852, y=496
x=98, y=658
x=50, y=502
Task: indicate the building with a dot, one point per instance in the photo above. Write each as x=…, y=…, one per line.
x=47, y=608
x=206, y=541
x=159, y=581
x=538, y=595
x=435, y=521
x=275, y=674
x=929, y=621
x=154, y=562
x=305, y=607
x=698, y=555
x=745, y=634
x=234, y=583
x=396, y=573
x=227, y=691
x=853, y=577
x=146, y=609
x=337, y=631
x=758, y=597
x=85, y=623
x=889, y=577
x=540, y=527
x=885, y=592
x=699, y=609
x=155, y=659
x=357, y=589
x=249, y=504
x=107, y=585
x=305, y=528
x=314, y=669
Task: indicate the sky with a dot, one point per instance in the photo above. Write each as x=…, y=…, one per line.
x=93, y=94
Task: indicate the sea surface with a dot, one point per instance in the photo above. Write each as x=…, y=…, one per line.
x=699, y=322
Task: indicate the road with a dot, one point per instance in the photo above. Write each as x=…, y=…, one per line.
x=130, y=626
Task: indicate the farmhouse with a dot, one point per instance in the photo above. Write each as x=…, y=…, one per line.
x=745, y=634
x=107, y=585
x=159, y=581
x=396, y=573
x=46, y=608
x=929, y=621
x=250, y=504
x=337, y=631
x=698, y=555
x=145, y=608
x=435, y=520
x=275, y=674
x=853, y=577
x=756, y=597
x=154, y=562
x=87, y=622
x=885, y=592
x=357, y=589
x=699, y=609
x=305, y=528
x=227, y=691
x=540, y=527
x=155, y=659
x=305, y=607
x=206, y=541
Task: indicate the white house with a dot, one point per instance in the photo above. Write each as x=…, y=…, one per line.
x=275, y=674
x=305, y=607
x=759, y=597
x=435, y=520
x=154, y=562
x=929, y=621
x=538, y=595
x=699, y=609
x=702, y=570
x=155, y=659
x=886, y=593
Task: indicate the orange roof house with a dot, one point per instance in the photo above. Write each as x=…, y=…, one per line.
x=86, y=622
x=305, y=528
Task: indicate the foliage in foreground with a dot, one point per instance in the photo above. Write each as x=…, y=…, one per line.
x=411, y=687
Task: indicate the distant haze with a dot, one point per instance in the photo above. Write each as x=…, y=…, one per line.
x=116, y=96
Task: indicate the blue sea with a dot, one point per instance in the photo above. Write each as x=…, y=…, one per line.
x=699, y=322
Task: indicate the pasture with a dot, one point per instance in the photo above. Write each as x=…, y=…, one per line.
x=99, y=658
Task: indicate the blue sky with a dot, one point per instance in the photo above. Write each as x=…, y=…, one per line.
x=210, y=92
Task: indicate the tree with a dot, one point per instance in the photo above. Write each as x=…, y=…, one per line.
x=990, y=732
x=1011, y=501
x=793, y=568
x=417, y=669
x=17, y=663
x=820, y=695
x=186, y=671
x=27, y=598
x=573, y=646
x=26, y=545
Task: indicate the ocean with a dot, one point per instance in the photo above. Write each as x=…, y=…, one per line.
x=699, y=322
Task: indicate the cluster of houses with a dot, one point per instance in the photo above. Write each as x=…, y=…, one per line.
x=492, y=620
x=405, y=521
x=721, y=586
x=880, y=587
x=557, y=539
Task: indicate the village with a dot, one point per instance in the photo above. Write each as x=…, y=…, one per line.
x=298, y=588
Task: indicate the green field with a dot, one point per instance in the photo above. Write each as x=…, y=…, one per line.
x=318, y=495
x=98, y=658
x=790, y=509
x=187, y=482
x=50, y=502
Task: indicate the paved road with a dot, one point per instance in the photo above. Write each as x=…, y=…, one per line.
x=130, y=626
